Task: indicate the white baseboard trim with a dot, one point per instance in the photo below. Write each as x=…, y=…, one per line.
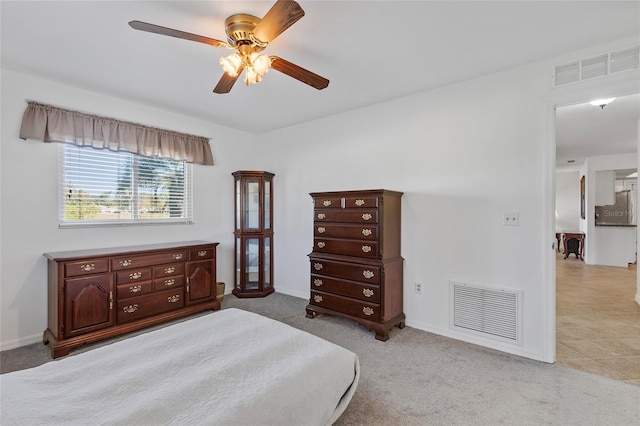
x=476, y=340
x=294, y=293
x=23, y=341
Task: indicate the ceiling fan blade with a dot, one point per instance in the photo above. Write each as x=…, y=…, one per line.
x=152, y=28
x=281, y=16
x=299, y=73
x=226, y=82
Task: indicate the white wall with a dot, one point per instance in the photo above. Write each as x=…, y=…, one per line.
x=567, y=200
x=29, y=199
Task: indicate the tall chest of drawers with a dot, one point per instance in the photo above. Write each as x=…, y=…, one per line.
x=356, y=266
x=101, y=293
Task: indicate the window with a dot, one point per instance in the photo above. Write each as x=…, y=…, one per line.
x=101, y=187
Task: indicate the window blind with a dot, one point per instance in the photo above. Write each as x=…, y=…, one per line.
x=98, y=187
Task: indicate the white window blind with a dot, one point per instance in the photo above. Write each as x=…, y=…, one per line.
x=101, y=187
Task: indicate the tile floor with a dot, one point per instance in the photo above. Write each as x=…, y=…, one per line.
x=597, y=319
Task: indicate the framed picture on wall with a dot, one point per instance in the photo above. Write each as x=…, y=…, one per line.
x=582, y=191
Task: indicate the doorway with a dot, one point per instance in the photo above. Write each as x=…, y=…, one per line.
x=597, y=319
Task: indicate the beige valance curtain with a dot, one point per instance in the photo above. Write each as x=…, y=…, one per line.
x=52, y=124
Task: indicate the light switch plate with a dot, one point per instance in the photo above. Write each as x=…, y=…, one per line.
x=511, y=219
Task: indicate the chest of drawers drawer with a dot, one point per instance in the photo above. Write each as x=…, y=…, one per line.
x=365, y=202
x=350, y=271
x=137, y=261
x=347, y=247
x=356, y=308
x=366, y=292
x=347, y=216
x=167, y=270
x=151, y=304
x=86, y=267
x=131, y=275
x=166, y=283
x=351, y=232
x=328, y=202
x=126, y=291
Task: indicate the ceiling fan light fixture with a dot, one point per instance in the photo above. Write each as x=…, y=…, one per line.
x=231, y=64
x=261, y=63
x=602, y=102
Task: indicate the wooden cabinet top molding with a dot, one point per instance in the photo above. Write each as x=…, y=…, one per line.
x=68, y=255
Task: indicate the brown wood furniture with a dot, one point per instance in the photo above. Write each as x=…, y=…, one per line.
x=253, y=233
x=102, y=293
x=573, y=242
x=356, y=267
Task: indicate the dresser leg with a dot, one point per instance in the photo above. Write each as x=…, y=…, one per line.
x=382, y=335
x=310, y=314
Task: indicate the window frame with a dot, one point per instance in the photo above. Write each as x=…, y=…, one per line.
x=135, y=220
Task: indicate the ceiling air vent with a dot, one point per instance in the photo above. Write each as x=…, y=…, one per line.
x=594, y=67
x=597, y=66
x=625, y=60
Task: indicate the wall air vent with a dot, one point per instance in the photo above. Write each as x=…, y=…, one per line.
x=597, y=66
x=491, y=312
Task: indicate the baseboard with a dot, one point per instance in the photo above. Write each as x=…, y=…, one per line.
x=487, y=343
x=637, y=298
x=23, y=341
x=294, y=293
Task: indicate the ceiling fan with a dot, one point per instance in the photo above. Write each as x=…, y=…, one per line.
x=249, y=36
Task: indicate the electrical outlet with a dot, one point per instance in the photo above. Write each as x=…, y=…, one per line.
x=511, y=219
x=418, y=287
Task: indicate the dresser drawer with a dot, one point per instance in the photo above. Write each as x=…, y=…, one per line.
x=327, y=202
x=168, y=282
x=166, y=270
x=346, y=305
x=86, y=267
x=348, y=216
x=134, y=289
x=367, y=292
x=361, y=202
x=127, y=262
x=132, y=275
x=151, y=304
x=346, y=247
x=350, y=271
x=202, y=254
x=352, y=232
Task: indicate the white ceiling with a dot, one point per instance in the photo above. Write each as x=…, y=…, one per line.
x=371, y=51
x=585, y=130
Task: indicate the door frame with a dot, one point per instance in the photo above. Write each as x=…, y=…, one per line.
x=609, y=86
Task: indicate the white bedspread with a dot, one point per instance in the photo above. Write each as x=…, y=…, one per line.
x=230, y=367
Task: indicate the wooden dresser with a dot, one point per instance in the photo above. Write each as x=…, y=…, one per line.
x=356, y=267
x=102, y=293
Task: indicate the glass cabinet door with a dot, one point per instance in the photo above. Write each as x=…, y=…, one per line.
x=253, y=233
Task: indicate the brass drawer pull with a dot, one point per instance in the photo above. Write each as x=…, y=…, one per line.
x=366, y=216
x=366, y=249
x=135, y=275
x=169, y=270
x=173, y=299
x=321, y=230
x=317, y=282
x=368, y=274
x=202, y=253
x=326, y=203
x=125, y=263
x=367, y=311
x=359, y=203
x=88, y=267
x=135, y=289
x=321, y=215
x=169, y=283
x=366, y=232
x=367, y=292
x=321, y=244
x=130, y=309
x=177, y=256
x=317, y=298
x=318, y=266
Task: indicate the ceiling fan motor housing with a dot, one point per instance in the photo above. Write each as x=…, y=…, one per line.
x=239, y=28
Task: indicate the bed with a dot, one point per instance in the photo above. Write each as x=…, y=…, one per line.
x=229, y=367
